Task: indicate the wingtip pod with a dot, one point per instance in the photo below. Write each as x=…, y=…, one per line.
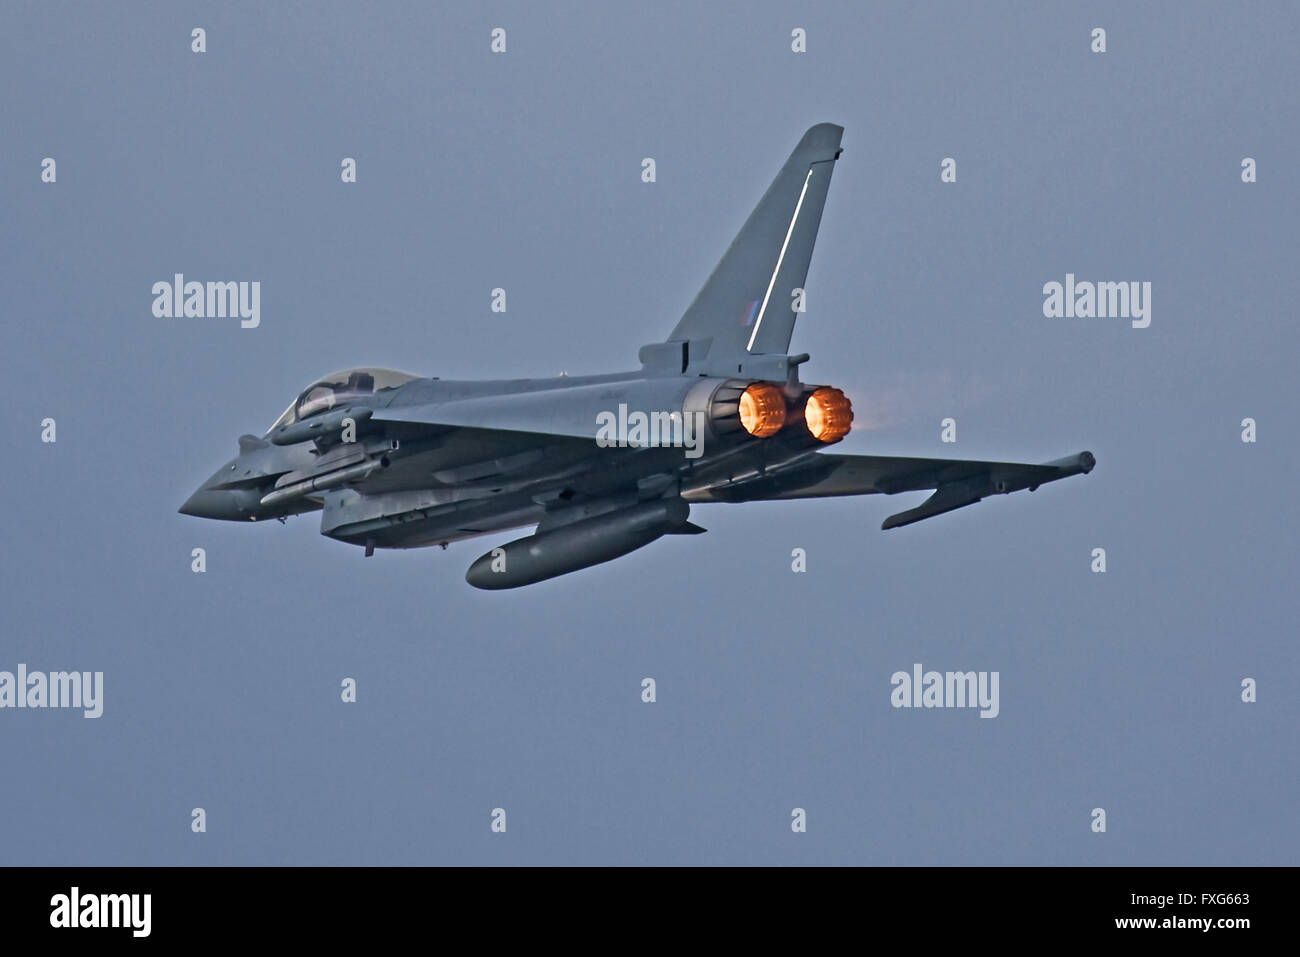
x=1080, y=464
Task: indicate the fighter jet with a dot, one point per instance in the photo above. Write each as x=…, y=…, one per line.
x=606, y=464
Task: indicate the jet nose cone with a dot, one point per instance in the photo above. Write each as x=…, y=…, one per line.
x=191, y=506
x=204, y=503
x=216, y=503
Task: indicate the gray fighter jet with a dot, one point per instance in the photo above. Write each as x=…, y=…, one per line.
x=605, y=464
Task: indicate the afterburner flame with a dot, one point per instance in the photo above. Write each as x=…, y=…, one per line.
x=828, y=414
x=762, y=409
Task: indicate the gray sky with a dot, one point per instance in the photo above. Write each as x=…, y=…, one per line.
x=1118, y=690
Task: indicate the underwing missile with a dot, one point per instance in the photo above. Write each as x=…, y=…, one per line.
x=317, y=426
x=322, y=482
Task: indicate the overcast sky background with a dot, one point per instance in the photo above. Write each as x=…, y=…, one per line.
x=522, y=170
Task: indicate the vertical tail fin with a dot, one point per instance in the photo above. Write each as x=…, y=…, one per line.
x=746, y=306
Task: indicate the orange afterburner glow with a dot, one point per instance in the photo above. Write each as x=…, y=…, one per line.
x=762, y=409
x=829, y=414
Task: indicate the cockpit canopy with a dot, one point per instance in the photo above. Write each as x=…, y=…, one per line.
x=339, y=389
